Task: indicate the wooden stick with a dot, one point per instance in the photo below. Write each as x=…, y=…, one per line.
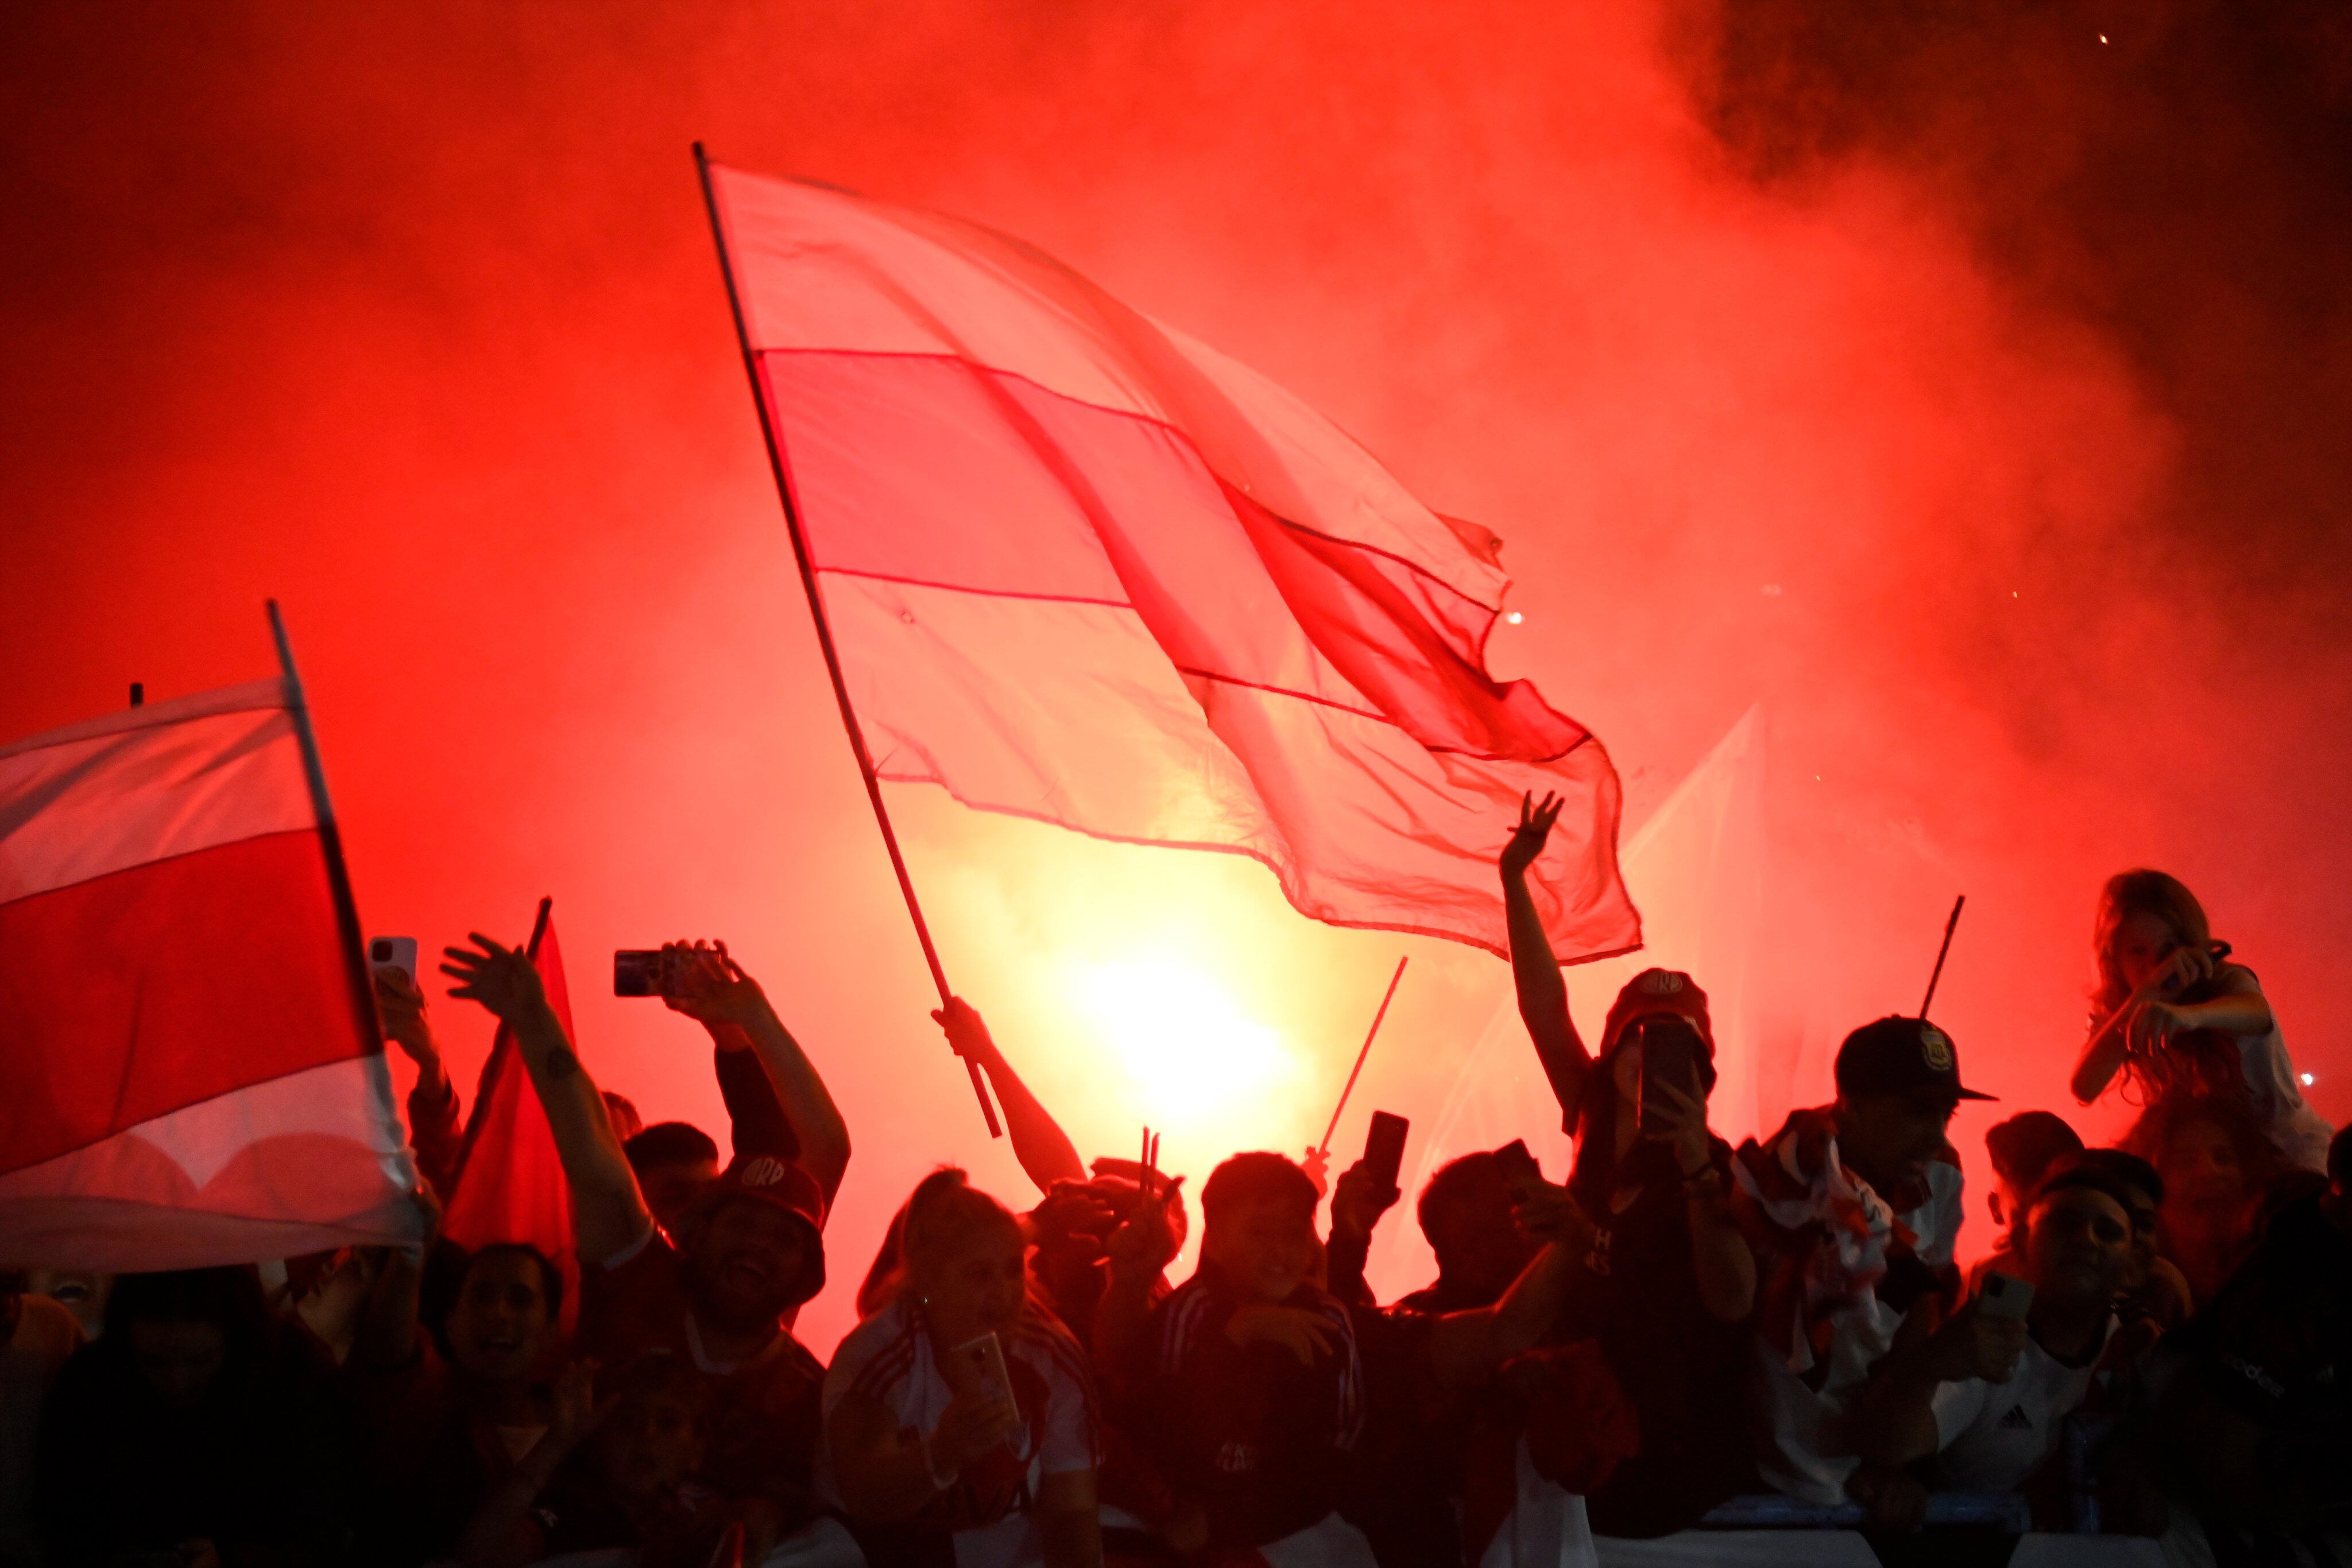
x=1370, y=1035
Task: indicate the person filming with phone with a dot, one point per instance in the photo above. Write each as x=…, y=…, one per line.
x=961, y=1414
x=1667, y=1281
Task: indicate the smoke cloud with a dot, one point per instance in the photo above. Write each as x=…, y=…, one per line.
x=1966, y=390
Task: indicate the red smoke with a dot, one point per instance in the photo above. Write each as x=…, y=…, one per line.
x=1864, y=372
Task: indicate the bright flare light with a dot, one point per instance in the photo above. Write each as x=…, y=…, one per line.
x=1193, y=1054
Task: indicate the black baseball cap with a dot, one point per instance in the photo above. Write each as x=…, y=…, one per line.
x=1901, y=1056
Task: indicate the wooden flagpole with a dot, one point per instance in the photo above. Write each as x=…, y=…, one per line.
x=782, y=473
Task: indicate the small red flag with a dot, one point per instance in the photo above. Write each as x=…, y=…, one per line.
x=511, y=1184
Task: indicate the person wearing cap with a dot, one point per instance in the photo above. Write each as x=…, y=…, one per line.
x=1664, y=1281
x=1852, y=1209
x=1987, y=1423
x=750, y=1251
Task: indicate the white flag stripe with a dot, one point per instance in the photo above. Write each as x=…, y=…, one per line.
x=826, y=270
x=147, y=785
x=221, y=1170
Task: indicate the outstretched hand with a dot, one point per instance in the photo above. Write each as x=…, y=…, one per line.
x=708, y=985
x=1547, y=1213
x=1536, y=817
x=1145, y=1241
x=502, y=979
x=400, y=1007
x=1359, y=1201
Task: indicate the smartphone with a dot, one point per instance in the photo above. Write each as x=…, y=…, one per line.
x=983, y=1361
x=1384, y=1148
x=640, y=972
x=1519, y=1167
x=1671, y=1050
x=2004, y=1296
x=394, y=953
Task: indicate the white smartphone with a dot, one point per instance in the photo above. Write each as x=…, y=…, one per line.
x=394, y=953
x=2004, y=1296
x=984, y=1360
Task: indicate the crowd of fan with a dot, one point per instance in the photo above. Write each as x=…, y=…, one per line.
x=1681, y=1331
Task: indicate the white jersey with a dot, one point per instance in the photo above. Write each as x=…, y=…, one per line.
x=1991, y=1436
x=2295, y=1131
x=888, y=1358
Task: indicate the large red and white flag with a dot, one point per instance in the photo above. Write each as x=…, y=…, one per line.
x=189, y=1073
x=1084, y=569
x=510, y=1182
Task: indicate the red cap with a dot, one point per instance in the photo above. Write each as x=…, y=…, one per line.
x=783, y=1186
x=1656, y=993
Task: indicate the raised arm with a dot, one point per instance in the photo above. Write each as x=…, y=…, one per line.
x=1139, y=1250
x=1543, y=995
x=433, y=1130
x=708, y=985
x=1468, y=1346
x=608, y=1214
x=1044, y=1151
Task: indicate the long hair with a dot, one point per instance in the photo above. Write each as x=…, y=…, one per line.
x=944, y=1208
x=2140, y=892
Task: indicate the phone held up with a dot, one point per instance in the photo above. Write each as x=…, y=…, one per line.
x=394, y=953
x=640, y=972
x=1384, y=1148
x=1671, y=1052
x=983, y=1362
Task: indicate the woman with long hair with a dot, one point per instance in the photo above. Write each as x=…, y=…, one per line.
x=2173, y=1019
x=1667, y=1282
x=960, y=1412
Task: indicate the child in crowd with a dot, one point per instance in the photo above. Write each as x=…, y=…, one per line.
x=2024, y=1149
x=1242, y=1386
x=2215, y=1164
x=2173, y=1016
x=961, y=1415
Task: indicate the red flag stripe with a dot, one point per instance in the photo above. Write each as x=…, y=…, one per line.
x=149, y=784
x=134, y=994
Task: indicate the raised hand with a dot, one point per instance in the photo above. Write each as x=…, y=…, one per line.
x=400, y=1006
x=502, y=979
x=1547, y=1213
x=1536, y=817
x=708, y=985
x=1359, y=1201
x=967, y=1032
x=1305, y=1334
x=1145, y=1241
x=1682, y=1124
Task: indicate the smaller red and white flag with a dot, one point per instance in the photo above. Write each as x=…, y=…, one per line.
x=190, y=1073
x=511, y=1184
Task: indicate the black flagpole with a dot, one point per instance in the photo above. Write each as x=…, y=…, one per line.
x=330, y=839
x=823, y=628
